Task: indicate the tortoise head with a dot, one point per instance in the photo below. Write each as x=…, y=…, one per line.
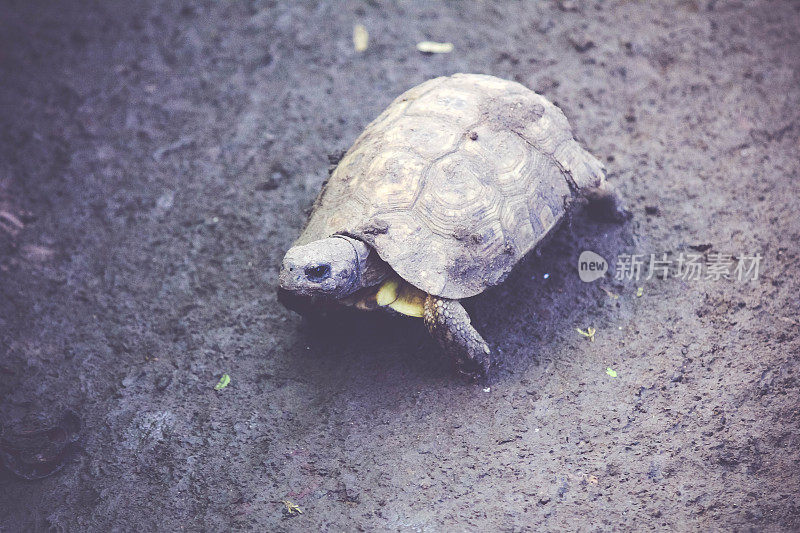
x=328, y=267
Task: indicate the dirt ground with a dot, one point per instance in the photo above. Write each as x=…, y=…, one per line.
x=157, y=159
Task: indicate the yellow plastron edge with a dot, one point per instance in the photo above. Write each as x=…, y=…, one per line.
x=387, y=293
x=402, y=297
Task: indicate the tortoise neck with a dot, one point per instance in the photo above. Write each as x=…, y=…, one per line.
x=371, y=269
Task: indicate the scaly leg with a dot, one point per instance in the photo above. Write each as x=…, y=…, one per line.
x=448, y=323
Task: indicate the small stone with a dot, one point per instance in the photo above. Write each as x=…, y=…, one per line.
x=163, y=381
x=567, y=5
x=271, y=183
x=165, y=201
x=581, y=42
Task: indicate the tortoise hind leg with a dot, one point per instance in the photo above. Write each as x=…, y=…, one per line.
x=448, y=323
x=605, y=205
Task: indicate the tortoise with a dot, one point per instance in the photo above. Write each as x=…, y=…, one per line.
x=437, y=200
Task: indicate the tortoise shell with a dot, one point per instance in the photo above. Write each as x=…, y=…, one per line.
x=455, y=182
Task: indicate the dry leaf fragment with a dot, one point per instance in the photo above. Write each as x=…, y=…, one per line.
x=431, y=47
x=10, y=222
x=611, y=295
x=292, y=508
x=224, y=381
x=37, y=253
x=589, y=333
x=360, y=37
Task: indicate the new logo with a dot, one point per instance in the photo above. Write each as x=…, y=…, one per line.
x=591, y=266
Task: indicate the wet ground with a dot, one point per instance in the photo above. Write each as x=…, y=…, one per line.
x=156, y=160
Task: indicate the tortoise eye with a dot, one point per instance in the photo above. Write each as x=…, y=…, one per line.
x=318, y=273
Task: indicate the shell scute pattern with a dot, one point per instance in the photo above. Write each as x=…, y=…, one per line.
x=414, y=134
x=455, y=106
x=393, y=190
x=504, y=154
x=457, y=180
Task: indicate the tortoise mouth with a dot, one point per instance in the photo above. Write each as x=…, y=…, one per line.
x=293, y=301
x=306, y=305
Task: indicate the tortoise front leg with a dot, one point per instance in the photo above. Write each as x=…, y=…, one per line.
x=449, y=323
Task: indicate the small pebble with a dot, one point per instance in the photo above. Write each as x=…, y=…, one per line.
x=163, y=381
